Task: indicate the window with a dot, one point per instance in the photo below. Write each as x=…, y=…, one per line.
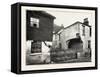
x=83, y=30
x=60, y=46
x=36, y=46
x=89, y=44
x=34, y=22
x=78, y=35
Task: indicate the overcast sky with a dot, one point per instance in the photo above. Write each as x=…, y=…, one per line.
x=69, y=17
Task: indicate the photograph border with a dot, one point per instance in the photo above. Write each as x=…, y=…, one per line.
x=16, y=37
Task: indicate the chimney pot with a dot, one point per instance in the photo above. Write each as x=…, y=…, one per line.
x=86, y=22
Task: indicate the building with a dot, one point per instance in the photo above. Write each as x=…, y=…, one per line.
x=56, y=31
x=75, y=38
x=39, y=25
x=39, y=34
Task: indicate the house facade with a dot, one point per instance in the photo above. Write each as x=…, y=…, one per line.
x=39, y=33
x=75, y=38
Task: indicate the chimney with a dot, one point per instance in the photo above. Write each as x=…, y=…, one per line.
x=86, y=22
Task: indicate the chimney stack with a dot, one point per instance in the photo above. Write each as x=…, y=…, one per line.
x=86, y=22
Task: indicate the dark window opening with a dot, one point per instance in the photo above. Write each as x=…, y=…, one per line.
x=77, y=35
x=83, y=30
x=60, y=46
x=89, y=44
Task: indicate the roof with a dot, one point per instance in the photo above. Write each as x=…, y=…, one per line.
x=57, y=28
x=44, y=13
x=77, y=23
x=47, y=14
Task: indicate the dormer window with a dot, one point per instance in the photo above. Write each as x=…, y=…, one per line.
x=34, y=22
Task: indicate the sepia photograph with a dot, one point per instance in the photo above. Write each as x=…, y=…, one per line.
x=58, y=37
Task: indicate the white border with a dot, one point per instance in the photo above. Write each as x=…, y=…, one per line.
x=52, y=66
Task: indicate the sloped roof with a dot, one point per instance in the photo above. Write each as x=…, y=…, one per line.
x=47, y=14
x=44, y=13
x=77, y=23
x=58, y=28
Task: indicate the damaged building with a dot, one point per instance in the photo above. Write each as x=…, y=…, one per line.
x=39, y=33
x=73, y=41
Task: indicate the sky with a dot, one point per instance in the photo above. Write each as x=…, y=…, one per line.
x=69, y=17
